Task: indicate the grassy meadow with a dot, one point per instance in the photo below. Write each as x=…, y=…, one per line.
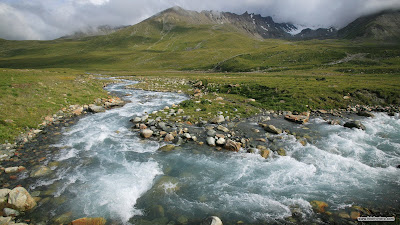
x=27, y=96
x=278, y=74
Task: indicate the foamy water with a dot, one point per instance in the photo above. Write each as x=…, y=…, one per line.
x=109, y=171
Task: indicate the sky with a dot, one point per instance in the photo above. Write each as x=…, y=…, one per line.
x=50, y=19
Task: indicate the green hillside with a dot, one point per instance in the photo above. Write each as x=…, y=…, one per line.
x=279, y=74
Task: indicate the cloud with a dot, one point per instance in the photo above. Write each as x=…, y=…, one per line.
x=49, y=19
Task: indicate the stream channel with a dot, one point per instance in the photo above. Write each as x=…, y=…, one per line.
x=106, y=170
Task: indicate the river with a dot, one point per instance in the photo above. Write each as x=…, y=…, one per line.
x=107, y=170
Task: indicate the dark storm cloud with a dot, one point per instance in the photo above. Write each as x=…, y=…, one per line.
x=48, y=19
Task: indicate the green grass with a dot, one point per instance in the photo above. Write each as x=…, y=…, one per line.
x=27, y=96
x=279, y=74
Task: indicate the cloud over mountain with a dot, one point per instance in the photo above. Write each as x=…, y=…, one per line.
x=48, y=19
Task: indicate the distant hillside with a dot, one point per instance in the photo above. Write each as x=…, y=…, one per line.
x=380, y=26
x=93, y=31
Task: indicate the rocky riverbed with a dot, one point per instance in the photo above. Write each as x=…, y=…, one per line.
x=36, y=164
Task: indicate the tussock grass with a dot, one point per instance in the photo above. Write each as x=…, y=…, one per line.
x=27, y=96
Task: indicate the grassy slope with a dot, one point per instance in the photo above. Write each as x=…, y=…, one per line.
x=26, y=96
x=287, y=75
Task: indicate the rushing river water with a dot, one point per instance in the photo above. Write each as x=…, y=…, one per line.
x=106, y=170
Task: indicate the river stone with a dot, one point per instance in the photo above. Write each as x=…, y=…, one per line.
x=222, y=128
x=14, y=169
x=365, y=114
x=10, y=212
x=218, y=119
x=264, y=153
x=344, y=215
x=221, y=141
x=89, y=221
x=301, y=119
x=162, y=126
x=144, y=118
x=64, y=218
x=167, y=148
x=96, y=108
x=211, y=133
x=169, y=137
x=5, y=220
x=21, y=200
x=355, y=124
x=157, y=211
x=137, y=120
x=41, y=171
x=212, y=220
x=187, y=136
x=167, y=184
x=146, y=133
x=211, y=141
x=272, y=129
x=178, y=141
x=281, y=152
x=3, y=195
x=354, y=215
x=232, y=145
x=318, y=206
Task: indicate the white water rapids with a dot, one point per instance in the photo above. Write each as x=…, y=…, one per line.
x=108, y=171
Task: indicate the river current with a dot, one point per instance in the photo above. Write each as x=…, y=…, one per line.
x=107, y=170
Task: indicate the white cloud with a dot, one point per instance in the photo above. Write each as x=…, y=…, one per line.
x=48, y=19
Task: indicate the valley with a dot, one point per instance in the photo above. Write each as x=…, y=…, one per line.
x=80, y=108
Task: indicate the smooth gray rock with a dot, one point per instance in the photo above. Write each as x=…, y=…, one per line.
x=96, y=108
x=211, y=141
x=272, y=129
x=146, y=133
x=11, y=212
x=211, y=133
x=218, y=119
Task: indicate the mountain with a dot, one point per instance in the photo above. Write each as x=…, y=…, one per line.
x=251, y=24
x=380, y=26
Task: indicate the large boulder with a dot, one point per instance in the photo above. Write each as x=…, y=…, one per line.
x=89, y=221
x=355, y=124
x=271, y=129
x=212, y=220
x=21, y=200
x=301, y=119
x=146, y=133
x=232, y=145
x=218, y=119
